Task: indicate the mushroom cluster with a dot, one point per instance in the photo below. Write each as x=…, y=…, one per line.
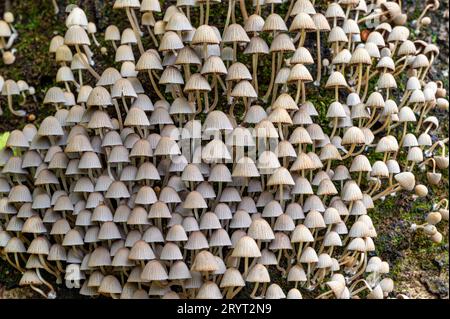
x=182, y=174
x=10, y=88
x=423, y=20
x=8, y=34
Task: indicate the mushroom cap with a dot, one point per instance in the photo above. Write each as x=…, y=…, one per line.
x=209, y=290
x=76, y=35
x=260, y=230
x=232, y=278
x=235, y=33
x=154, y=270
x=205, y=34
x=246, y=247
x=274, y=291
x=204, y=262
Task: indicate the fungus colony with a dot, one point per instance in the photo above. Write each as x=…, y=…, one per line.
x=184, y=175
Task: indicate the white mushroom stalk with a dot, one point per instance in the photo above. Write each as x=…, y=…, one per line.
x=8, y=35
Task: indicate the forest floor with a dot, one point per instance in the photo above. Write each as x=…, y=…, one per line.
x=419, y=268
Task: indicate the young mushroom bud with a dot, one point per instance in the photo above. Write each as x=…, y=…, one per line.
x=421, y=190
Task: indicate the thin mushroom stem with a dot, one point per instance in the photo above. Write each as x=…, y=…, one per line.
x=234, y=292
x=231, y=112
x=205, y=94
x=10, y=107
x=47, y=267
x=135, y=29
x=187, y=71
x=443, y=202
x=229, y=98
x=224, y=87
x=356, y=283
x=188, y=12
x=335, y=125
x=362, y=267
x=80, y=77
x=52, y=290
x=136, y=21
x=272, y=78
x=281, y=269
x=325, y=295
x=308, y=276
x=319, y=275
x=422, y=116
x=299, y=251
x=288, y=13
x=23, y=99
x=155, y=87
x=403, y=67
x=245, y=266
x=39, y=291
x=387, y=191
x=404, y=99
x=350, y=152
x=376, y=187
x=299, y=88
x=371, y=16
x=201, y=14
x=439, y=143
x=94, y=39
x=234, y=51
x=302, y=38
x=253, y=294
x=303, y=92
x=427, y=68
x=405, y=126
x=373, y=118
x=16, y=264
x=258, y=7
x=246, y=105
x=125, y=105
x=360, y=75
x=385, y=124
x=119, y=115
x=319, y=59
x=59, y=266
x=84, y=60
x=243, y=10
x=55, y=7
x=152, y=36
x=114, y=45
x=366, y=286
x=229, y=12
x=419, y=19
x=207, y=11
x=66, y=84
x=255, y=70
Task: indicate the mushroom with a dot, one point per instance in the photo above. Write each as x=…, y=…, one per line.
x=9, y=89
